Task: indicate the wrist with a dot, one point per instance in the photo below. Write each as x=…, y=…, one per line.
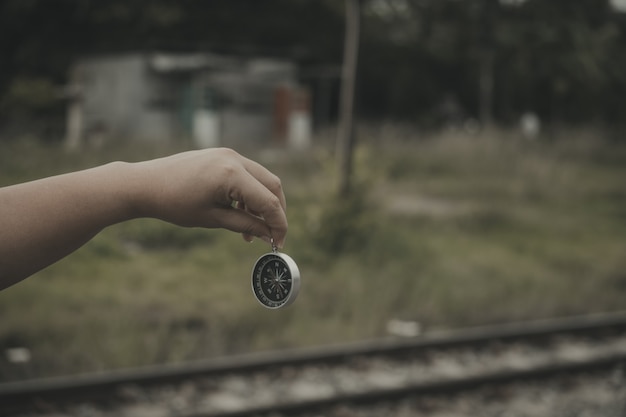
x=130, y=189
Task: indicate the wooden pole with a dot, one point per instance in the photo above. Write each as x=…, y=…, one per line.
x=487, y=62
x=345, y=138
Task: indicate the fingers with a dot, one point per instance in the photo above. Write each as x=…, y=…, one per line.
x=240, y=206
x=260, y=201
x=265, y=177
x=210, y=180
x=245, y=223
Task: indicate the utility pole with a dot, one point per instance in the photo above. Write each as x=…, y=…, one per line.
x=345, y=138
x=487, y=61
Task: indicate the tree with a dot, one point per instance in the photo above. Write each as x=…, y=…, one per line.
x=345, y=138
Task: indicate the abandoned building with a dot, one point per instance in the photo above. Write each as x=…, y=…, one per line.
x=208, y=99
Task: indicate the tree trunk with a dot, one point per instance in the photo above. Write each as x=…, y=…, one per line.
x=345, y=138
x=486, y=64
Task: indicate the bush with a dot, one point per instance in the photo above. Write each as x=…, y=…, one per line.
x=154, y=234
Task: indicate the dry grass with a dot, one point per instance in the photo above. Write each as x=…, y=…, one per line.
x=449, y=231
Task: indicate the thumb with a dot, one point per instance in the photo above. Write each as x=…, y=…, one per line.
x=243, y=222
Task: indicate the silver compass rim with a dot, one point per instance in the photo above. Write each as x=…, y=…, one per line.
x=295, y=280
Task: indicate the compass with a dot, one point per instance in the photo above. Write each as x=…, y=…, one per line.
x=275, y=279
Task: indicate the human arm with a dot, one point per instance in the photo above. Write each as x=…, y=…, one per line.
x=45, y=220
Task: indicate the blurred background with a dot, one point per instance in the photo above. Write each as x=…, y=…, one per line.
x=446, y=163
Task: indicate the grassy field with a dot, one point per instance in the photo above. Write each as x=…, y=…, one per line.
x=448, y=230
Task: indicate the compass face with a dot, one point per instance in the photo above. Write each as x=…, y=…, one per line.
x=275, y=280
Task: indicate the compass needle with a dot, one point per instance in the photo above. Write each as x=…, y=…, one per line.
x=275, y=279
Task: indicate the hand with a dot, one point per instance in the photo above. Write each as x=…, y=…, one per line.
x=213, y=188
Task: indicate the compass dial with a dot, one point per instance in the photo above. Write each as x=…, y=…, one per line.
x=275, y=280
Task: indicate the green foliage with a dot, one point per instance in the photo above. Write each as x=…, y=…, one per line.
x=565, y=60
x=33, y=93
x=448, y=231
x=559, y=59
x=346, y=224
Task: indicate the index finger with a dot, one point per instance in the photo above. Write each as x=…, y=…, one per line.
x=260, y=200
x=267, y=178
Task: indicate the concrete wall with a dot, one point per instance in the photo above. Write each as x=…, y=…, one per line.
x=225, y=103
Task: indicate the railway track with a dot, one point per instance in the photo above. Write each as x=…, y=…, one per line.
x=303, y=381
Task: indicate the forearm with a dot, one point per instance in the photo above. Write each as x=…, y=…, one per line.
x=44, y=220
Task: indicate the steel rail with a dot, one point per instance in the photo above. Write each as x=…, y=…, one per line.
x=102, y=385
x=442, y=387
